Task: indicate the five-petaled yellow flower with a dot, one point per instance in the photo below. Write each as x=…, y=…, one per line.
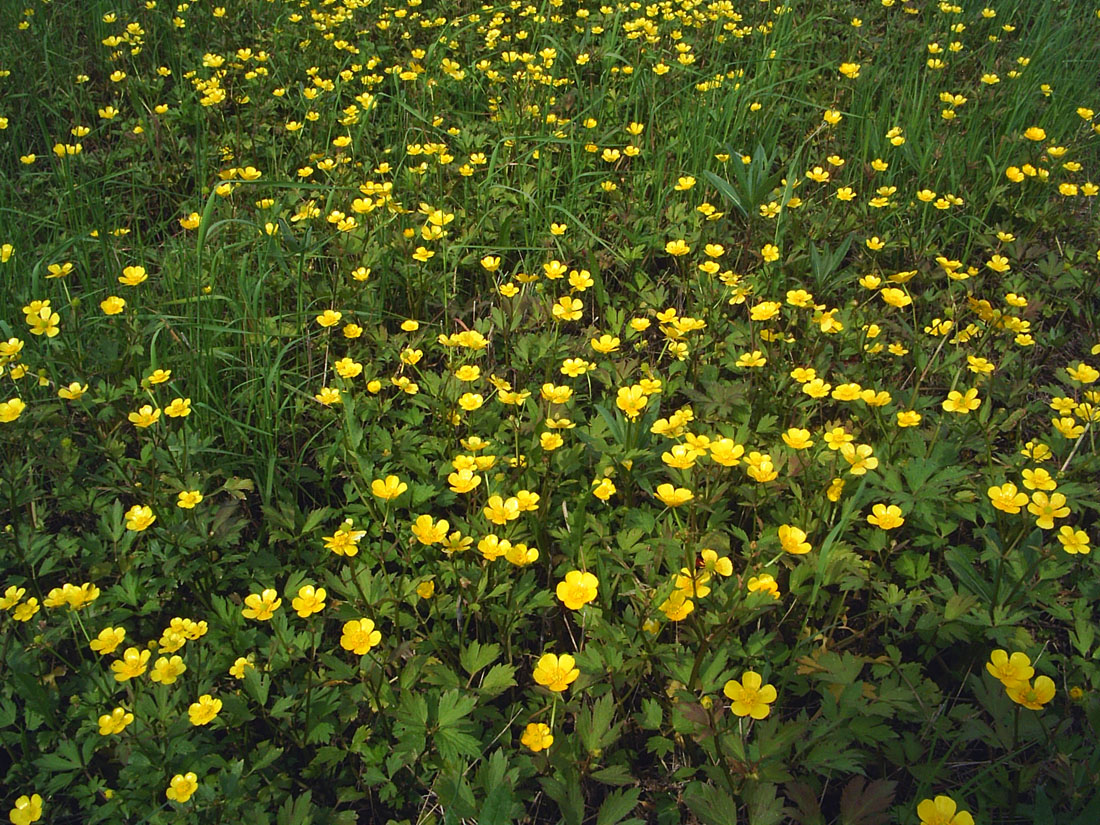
x=942, y=811
x=309, y=600
x=359, y=636
x=182, y=786
x=577, y=589
x=261, y=606
x=389, y=488
x=556, y=673
x=537, y=737
x=750, y=696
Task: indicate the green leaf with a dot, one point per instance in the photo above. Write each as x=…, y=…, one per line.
x=497, y=807
x=498, y=679
x=710, y=804
x=594, y=724
x=477, y=656
x=614, y=775
x=454, y=744
x=453, y=706
x=866, y=803
x=568, y=796
x=617, y=806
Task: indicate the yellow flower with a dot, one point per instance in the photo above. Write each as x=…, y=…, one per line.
x=797, y=439
x=329, y=318
x=500, y=510
x=859, y=457
x=631, y=400
x=895, y=297
x=1034, y=696
x=886, y=517
x=139, y=517
x=463, y=481
x=1035, y=133
x=73, y=392
x=750, y=696
x=429, y=531
x=1006, y=498
x=751, y=359
x=942, y=811
x=605, y=344
x=426, y=589
x=1012, y=670
x=537, y=737
x=145, y=417
x=261, y=606
x=205, y=710
x=328, y=396
x=960, y=403
x=577, y=589
x=309, y=600
x=389, y=488
x=132, y=276
x=793, y=540
x=112, y=305
x=556, y=673
x=677, y=247
x=603, y=488
x=568, y=309
x=182, y=786
x=360, y=636
x=1073, y=541
x=1046, y=509
x=764, y=583
x=114, y=722
x=673, y=496
x=908, y=418
x=187, y=499
x=27, y=809
x=11, y=409
x=108, y=639
x=770, y=252
x=132, y=664
x=178, y=408
x=167, y=670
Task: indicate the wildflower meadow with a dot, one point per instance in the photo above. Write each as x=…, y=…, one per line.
x=603, y=413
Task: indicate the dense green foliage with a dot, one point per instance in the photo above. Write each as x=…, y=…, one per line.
x=553, y=411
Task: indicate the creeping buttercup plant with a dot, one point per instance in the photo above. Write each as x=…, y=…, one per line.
x=549, y=412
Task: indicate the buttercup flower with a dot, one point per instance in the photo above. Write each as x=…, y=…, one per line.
x=1032, y=696
x=1011, y=671
x=204, y=711
x=750, y=696
x=182, y=786
x=261, y=606
x=27, y=809
x=793, y=539
x=132, y=664
x=942, y=811
x=389, y=488
x=139, y=517
x=537, y=737
x=108, y=639
x=577, y=589
x=167, y=670
x=556, y=673
x=673, y=496
x=309, y=600
x=359, y=636
x=114, y=722
x=886, y=517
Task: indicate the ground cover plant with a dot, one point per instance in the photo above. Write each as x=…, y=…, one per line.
x=549, y=412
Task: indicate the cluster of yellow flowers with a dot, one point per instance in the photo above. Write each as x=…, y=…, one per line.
x=1015, y=672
